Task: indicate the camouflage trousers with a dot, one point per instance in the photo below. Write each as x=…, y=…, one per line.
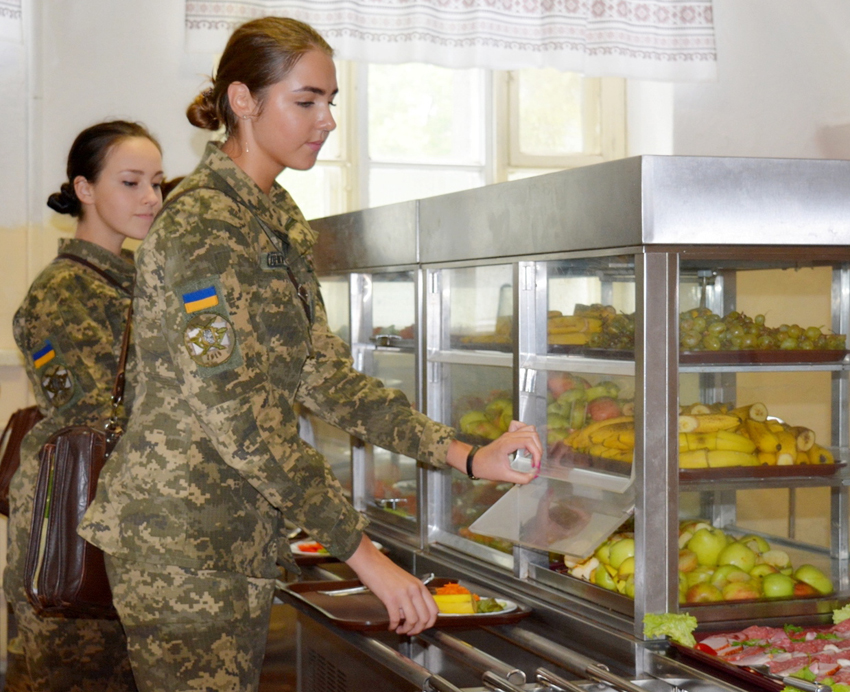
x=73, y=655
x=190, y=630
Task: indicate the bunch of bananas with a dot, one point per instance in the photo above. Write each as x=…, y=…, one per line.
x=613, y=438
x=715, y=436
x=596, y=325
x=571, y=330
x=712, y=436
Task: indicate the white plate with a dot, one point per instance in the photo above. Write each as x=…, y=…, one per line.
x=507, y=607
x=296, y=548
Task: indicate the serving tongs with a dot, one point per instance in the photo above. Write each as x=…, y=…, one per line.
x=799, y=683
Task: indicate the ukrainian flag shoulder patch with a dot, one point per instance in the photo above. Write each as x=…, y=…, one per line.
x=201, y=299
x=43, y=355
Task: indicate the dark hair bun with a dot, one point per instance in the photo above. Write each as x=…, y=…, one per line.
x=65, y=201
x=202, y=111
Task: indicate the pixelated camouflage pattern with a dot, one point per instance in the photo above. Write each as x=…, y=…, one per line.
x=189, y=629
x=84, y=317
x=212, y=460
x=74, y=655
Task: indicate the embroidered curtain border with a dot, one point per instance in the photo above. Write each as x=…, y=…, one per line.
x=11, y=24
x=669, y=40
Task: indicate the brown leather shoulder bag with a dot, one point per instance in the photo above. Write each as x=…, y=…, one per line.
x=64, y=575
x=20, y=423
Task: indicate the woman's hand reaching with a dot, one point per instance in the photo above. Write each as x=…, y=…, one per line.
x=493, y=463
x=409, y=604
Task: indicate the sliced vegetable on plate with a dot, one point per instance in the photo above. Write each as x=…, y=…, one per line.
x=454, y=599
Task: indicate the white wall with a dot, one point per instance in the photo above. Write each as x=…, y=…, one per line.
x=783, y=87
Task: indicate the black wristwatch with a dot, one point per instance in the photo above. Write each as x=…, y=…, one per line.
x=469, y=458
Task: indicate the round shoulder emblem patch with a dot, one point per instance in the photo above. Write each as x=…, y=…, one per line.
x=57, y=384
x=209, y=339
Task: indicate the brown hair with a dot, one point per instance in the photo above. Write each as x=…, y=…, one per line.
x=259, y=54
x=88, y=156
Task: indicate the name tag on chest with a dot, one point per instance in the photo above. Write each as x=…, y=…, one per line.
x=274, y=260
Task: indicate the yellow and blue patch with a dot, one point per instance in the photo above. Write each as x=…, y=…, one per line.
x=43, y=355
x=200, y=300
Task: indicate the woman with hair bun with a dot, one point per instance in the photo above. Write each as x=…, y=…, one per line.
x=232, y=333
x=69, y=329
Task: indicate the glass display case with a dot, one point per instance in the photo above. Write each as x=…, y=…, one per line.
x=676, y=329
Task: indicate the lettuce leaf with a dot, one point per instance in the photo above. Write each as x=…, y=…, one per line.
x=841, y=614
x=677, y=626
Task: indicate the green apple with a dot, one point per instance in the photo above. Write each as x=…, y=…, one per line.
x=707, y=543
x=739, y=555
x=700, y=574
x=777, y=585
x=553, y=420
x=603, y=578
x=776, y=558
x=494, y=409
x=740, y=590
x=468, y=419
x=603, y=553
x=627, y=568
x=683, y=587
x=762, y=570
x=755, y=543
x=703, y=593
x=630, y=586
x=811, y=575
x=621, y=550
x=726, y=573
x=571, y=395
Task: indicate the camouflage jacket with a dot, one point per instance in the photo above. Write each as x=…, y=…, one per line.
x=212, y=462
x=69, y=329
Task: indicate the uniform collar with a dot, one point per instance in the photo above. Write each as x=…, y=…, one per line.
x=119, y=267
x=276, y=208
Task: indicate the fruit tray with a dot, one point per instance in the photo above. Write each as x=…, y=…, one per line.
x=392, y=341
x=741, y=673
x=363, y=612
x=767, y=357
x=623, y=468
x=560, y=453
x=795, y=471
x=457, y=343
x=713, y=357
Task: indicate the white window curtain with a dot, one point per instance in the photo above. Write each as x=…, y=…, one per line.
x=11, y=26
x=669, y=40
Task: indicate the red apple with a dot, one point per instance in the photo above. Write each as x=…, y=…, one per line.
x=560, y=382
x=687, y=560
x=741, y=590
x=803, y=590
x=603, y=408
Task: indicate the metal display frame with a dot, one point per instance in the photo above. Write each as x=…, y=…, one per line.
x=660, y=211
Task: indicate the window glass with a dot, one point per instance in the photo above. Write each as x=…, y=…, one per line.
x=388, y=185
x=318, y=192
x=551, y=119
x=421, y=112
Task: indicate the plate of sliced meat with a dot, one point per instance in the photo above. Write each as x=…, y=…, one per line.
x=817, y=654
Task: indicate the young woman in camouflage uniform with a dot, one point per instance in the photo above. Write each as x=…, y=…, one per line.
x=69, y=329
x=231, y=332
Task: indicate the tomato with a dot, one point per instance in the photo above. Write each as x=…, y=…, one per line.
x=705, y=648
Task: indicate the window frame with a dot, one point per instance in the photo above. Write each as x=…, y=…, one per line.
x=605, y=102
